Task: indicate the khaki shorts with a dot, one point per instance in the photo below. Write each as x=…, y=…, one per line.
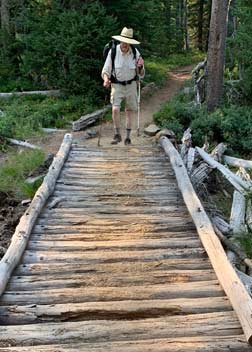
x=127, y=93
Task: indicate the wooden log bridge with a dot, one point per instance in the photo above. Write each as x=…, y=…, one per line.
x=107, y=258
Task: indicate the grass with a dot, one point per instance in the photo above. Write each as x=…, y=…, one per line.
x=16, y=169
x=24, y=117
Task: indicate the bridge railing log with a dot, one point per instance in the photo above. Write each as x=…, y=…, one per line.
x=23, y=230
x=228, y=278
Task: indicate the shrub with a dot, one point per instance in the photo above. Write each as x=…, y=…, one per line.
x=232, y=125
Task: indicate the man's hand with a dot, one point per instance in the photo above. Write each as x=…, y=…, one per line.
x=140, y=63
x=106, y=82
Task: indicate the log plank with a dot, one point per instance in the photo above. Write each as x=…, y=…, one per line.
x=110, y=268
x=29, y=283
x=23, y=230
x=206, y=324
x=109, y=256
x=227, y=276
x=197, y=289
x=116, y=310
x=230, y=343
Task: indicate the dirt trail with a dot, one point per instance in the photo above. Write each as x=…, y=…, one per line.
x=149, y=105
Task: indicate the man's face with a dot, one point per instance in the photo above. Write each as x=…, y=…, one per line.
x=124, y=47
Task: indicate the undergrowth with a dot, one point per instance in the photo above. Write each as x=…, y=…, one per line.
x=16, y=169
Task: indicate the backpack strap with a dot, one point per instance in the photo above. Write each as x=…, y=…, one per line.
x=133, y=48
x=113, y=55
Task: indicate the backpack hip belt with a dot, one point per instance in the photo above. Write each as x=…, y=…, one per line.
x=123, y=83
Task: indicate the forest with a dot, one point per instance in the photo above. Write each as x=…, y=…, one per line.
x=55, y=44
x=58, y=44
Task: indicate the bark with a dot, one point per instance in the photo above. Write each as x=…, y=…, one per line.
x=5, y=16
x=247, y=164
x=239, y=206
x=239, y=184
x=89, y=119
x=187, y=46
x=216, y=53
x=201, y=173
x=199, y=82
x=200, y=24
x=186, y=144
x=23, y=144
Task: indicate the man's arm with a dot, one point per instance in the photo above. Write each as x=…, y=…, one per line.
x=106, y=71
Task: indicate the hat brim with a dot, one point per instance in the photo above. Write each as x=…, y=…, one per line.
x=125, y=40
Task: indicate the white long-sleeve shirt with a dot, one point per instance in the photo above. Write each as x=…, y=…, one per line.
x=125, y=65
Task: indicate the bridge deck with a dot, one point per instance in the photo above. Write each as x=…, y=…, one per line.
x=114, y=263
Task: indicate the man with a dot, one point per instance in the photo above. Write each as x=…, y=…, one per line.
x=123, y=80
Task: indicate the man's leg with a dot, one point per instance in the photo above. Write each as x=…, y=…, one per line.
x=131, y=106
x=116, y=121
x=128, y=116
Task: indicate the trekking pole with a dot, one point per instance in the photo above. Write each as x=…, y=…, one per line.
x=101, y=119
x=138, y=107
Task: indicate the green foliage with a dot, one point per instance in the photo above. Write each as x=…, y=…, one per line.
x=64, y=48
x=232, y=125
x=25, y=116
x=59, y=44
x=14, y=172
x=236, y=124
x=239, y=48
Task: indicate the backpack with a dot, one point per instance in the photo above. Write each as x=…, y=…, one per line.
x=112, y=45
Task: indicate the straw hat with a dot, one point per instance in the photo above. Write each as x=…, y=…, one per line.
x=126, y=36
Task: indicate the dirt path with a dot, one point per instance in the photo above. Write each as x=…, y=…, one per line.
x=149, y=106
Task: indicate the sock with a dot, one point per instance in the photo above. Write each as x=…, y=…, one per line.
x=117, y=131
x=128, y=130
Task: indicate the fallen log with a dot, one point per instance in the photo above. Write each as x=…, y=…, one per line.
x=201, y=173
x=222, y=225
x=199, y=82
x=89, y=119
x=231, y=161
x=228, y=278
x=238, y=210
x=52, y=130
x=239, y=184
x=23, y=144
x=186, y=145
x=49, y=93
x=249, y=214
x=23, y=230
x=190, y=160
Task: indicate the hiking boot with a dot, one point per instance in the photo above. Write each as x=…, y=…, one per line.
x=127, y=141
x=117, y=139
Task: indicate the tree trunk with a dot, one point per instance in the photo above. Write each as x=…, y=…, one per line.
x=200, y=24
x=209, y=6
x=5, y=16
x=168, y=18
x=186, y=37
x=216, y=53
